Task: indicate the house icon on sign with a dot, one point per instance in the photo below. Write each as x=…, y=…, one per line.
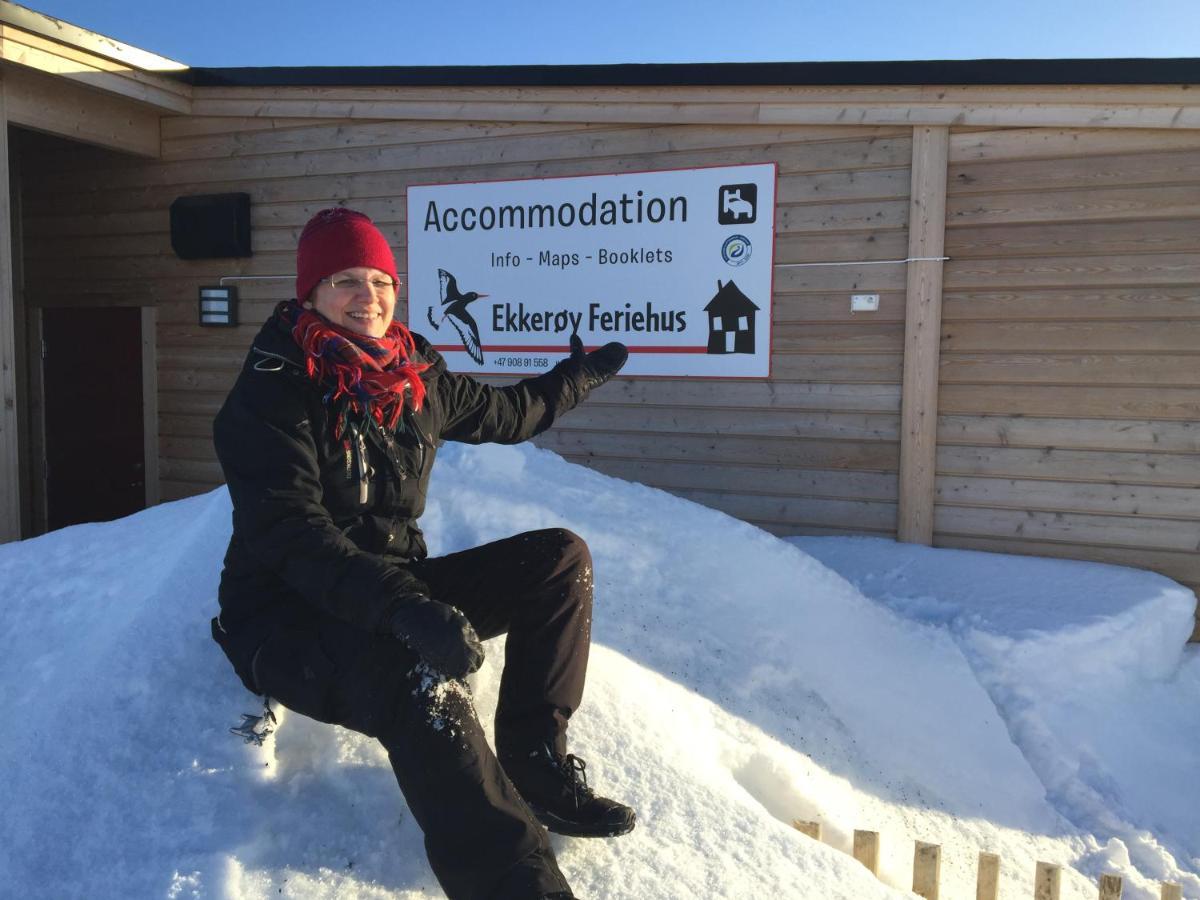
x=730, y=320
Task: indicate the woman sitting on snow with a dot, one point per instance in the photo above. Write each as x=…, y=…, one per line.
x=330, y=605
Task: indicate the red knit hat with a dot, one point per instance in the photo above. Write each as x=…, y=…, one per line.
x=336, y=239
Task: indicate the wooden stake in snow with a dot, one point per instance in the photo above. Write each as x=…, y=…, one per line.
x=1171, y=891
x=1046, y=884
x=812, y=829
x=927, y=870
x=987, y=887
x=866, y=849
x=1110, y=887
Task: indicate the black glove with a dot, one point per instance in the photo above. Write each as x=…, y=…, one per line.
x=587, y=371
x=439, y=633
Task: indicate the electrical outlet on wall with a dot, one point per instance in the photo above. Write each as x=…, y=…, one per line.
x=864, y=302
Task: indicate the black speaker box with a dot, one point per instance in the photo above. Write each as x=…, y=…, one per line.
x=211, y=226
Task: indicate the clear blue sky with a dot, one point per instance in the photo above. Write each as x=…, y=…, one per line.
x=509, y=32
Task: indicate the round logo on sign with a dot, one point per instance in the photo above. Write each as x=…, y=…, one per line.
x=736, y=250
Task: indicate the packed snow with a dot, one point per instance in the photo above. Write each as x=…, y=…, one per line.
x=1041, y=710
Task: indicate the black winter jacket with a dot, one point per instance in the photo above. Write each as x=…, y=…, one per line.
x=322, y=526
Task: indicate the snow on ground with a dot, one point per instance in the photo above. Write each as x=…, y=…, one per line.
x=1084, y=663
x=1041, y=710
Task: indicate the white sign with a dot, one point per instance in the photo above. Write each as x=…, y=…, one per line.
x=676, y=265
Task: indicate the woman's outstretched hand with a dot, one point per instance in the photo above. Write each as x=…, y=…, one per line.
x=439, y=633
x=587, y=371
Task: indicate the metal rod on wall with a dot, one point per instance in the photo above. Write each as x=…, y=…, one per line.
x=225, y=278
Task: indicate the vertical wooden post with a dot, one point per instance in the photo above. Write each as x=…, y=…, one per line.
x=10, y=479
x=150, y=404
x=866, y=849
x=987, y=885
x=1171, y=891
x=927, y=870
x=1047, y=883
x=1110, y=887
x=812, y=829
x=922, y=333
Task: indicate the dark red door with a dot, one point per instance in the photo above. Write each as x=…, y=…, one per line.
x=95, y=456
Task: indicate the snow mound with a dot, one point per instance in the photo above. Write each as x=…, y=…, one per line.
x=736, y=684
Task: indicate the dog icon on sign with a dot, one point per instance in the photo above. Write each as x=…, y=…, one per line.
x=737, y=204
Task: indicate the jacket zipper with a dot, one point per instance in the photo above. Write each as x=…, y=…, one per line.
x=412, y=423
x=360, y=448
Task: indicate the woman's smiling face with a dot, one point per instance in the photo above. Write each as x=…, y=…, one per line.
x=360, y=299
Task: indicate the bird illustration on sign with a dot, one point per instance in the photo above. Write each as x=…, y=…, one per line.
x=454, y=308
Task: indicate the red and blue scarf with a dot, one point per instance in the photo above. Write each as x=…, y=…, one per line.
x=376, y=374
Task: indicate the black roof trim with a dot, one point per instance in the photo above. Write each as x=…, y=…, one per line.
x=914, y=72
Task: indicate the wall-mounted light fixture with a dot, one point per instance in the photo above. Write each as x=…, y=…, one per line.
x=218, y=306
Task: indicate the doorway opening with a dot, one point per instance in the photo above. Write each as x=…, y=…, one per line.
x=85, y=370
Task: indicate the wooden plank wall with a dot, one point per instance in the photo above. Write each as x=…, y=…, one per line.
x=1069, y=388
x=817, y=449
x=1070, y=372
x=814, y=450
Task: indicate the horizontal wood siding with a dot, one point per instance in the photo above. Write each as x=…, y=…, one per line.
x=815, y=448
x=1069, y=381
x=1070, y=375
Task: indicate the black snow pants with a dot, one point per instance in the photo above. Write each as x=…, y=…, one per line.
x=482, y=841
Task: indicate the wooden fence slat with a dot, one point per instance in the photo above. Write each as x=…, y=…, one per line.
x=927, y=870
x=1171, y=891
x=987, y=884
x=1110, y=887
x=812, y=829
x=1047, y=882
x=866, y=849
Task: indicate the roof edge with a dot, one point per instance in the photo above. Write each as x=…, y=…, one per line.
x=1148, y=71
x=73, y=36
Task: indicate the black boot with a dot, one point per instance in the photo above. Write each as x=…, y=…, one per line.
x=556, y=789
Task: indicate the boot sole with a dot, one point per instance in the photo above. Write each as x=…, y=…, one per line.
x=568, y=828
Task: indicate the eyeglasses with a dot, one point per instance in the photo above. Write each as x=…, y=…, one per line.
x=352, y=285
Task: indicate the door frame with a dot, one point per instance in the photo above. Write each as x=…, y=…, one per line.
x=39, y=498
